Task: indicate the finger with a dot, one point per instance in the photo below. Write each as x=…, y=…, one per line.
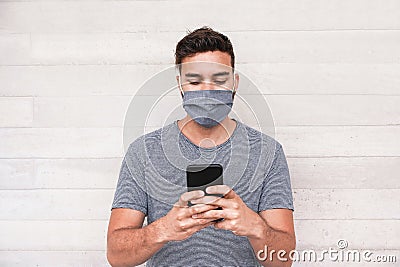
x=199, y=227
x=221, y=189
x=225, y=203
x=206, y=200
x=208, y=224
x=196, y=223
x=188, y=196
x=222, y=225
x=211, y=214
x=200, y=208
x=218, y=201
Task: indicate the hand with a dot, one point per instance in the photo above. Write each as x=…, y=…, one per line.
x=238, y=218
x=179, y=224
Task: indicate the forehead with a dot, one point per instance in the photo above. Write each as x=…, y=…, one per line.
x=207, y=63
x=210, y=56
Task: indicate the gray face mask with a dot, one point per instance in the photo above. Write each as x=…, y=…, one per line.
x=208, y=107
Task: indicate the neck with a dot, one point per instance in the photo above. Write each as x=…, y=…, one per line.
x=207, y=137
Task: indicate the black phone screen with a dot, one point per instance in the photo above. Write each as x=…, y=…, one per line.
x=200, y=176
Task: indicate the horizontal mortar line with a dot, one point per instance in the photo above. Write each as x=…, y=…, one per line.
x=161, y=63
x=170, y=64
x=74, y=127
x=314, y=30
x=95, y=250
x=94, y=1
x=336, y=125
x=133, y=95
x=95, y=158
x=55, y=220
x=154, y=32
x=345, y=188
x=352, y=219
x=328, y=157
x=64, y=127
x=266, y=30
x=94, y=64
x=106, y=220
x=358, y=248
x=328, y=94
x=61, y=158
x=122, y=156
x=45, y=250
x=154, y=126
x=27, y=96
x=116, y=178
x=60, y=188
x=17, y=96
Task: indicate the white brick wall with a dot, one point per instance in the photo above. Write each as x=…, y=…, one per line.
x=330, y=71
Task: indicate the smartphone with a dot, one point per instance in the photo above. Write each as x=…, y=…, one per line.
x=201, y=176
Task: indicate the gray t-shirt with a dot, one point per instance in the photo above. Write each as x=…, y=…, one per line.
x=153, y=176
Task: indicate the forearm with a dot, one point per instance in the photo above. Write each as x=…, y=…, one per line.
x=128, y=247
x=274, y=240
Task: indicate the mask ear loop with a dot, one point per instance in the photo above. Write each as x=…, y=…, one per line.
x=179, y=80
x=234, y=84
x=180, y=85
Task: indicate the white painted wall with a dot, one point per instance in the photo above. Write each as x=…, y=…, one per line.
x=68, y=69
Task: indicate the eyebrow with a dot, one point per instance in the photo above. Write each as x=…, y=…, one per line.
x=192, y=75
x=222, y=73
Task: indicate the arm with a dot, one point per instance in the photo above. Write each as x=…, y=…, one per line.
x=272, y=226
x=275, y=217
x=130, y=244
x=274, y=229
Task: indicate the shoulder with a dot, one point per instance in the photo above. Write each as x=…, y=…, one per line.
x=147, y=141
x=262, y=139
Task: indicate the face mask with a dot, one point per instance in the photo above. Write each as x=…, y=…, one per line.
x=208, y=107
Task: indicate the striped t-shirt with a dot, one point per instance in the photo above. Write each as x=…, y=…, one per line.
x=153, y=176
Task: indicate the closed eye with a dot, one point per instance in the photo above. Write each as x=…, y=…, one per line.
x=194, y=83
x=220, y=82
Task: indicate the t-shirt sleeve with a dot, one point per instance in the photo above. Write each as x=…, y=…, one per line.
x=130, y=192
x=276, y=188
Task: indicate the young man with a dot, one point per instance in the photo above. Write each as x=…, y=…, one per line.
x=255, y=215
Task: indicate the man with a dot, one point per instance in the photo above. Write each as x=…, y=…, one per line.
x=255, y=214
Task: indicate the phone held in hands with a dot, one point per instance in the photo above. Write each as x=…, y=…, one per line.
x=201, y=176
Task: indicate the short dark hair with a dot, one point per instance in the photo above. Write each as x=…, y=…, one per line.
x=200, y=40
